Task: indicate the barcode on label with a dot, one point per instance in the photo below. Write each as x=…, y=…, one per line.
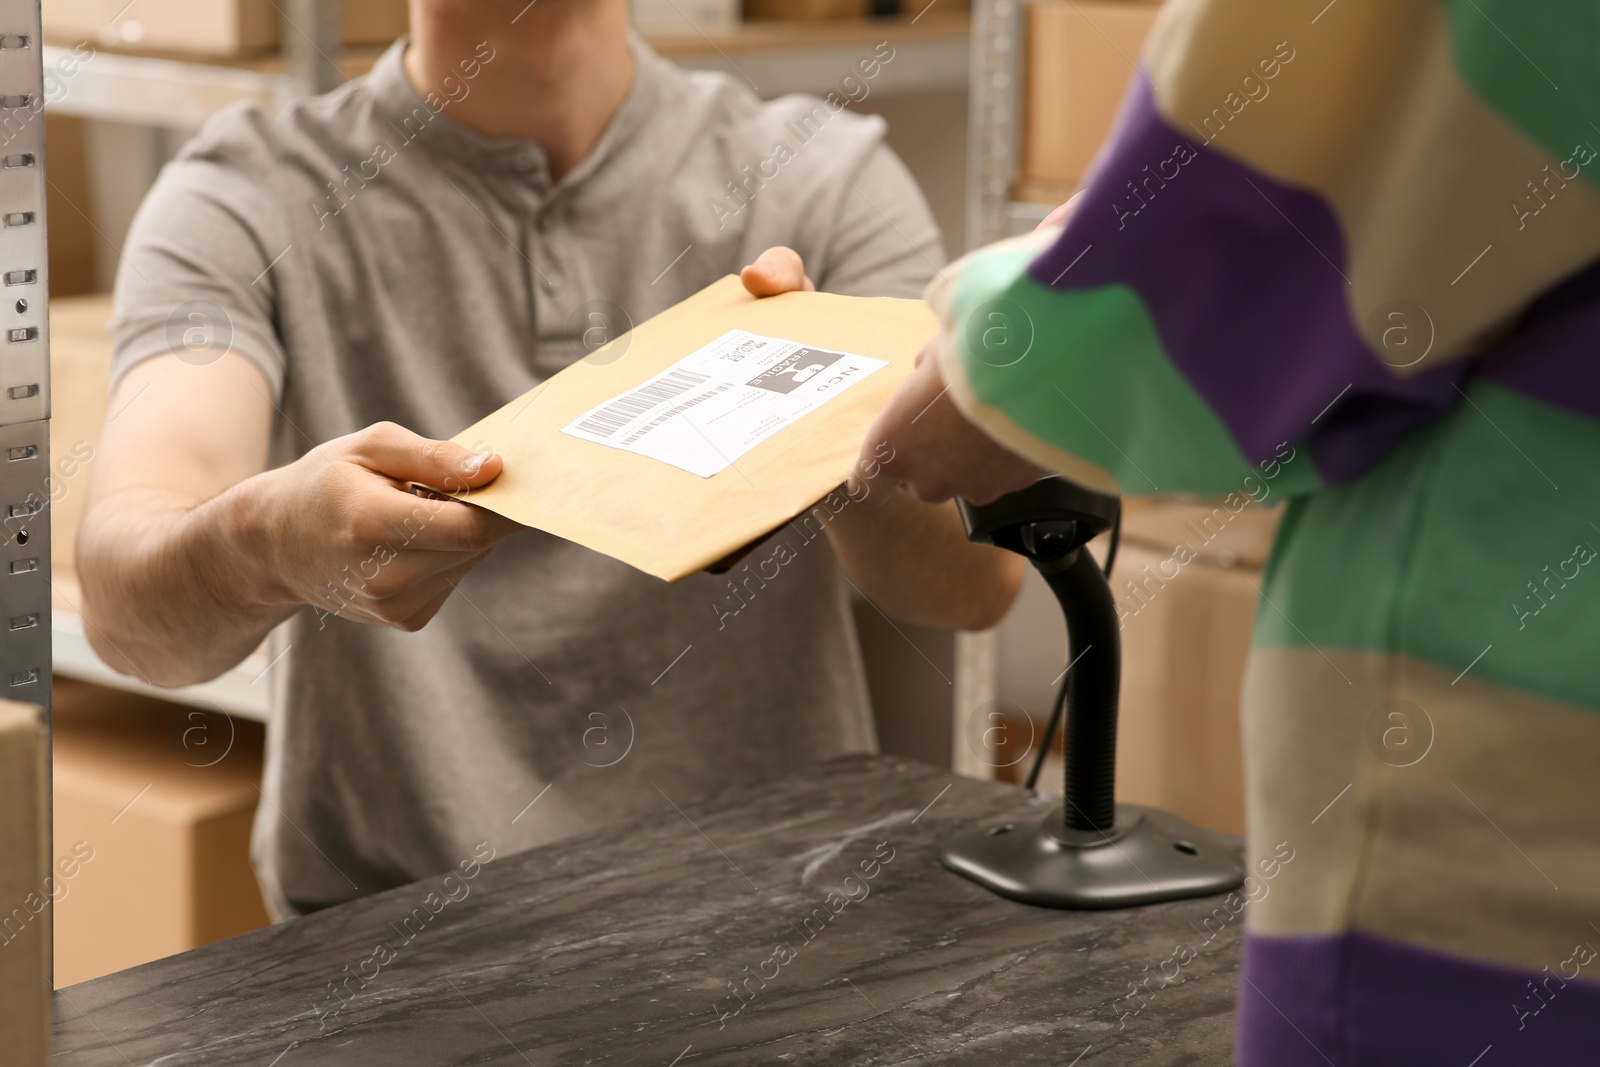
x=674, y=410
x=623, y=410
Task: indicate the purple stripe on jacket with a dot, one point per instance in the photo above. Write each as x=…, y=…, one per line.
x=1244, y=277
x=1552, y=355
x=1358, y=999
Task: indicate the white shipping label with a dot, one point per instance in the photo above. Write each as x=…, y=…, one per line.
x=717, y=403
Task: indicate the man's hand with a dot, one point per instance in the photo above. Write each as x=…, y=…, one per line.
x=191, y=550
x=343, y=532
x=777, y=270
x=933, y=450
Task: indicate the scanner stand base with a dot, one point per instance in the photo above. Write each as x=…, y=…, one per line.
x=1149, y=856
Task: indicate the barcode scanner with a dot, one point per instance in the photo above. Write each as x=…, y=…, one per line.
x=1092, y=853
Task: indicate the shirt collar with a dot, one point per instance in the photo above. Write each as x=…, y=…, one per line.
x=410, y=117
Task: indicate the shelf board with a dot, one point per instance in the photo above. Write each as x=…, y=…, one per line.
x=241, y=691
x=1023, y=217
x=157, y=91
x=930, y=53
x=750, y=38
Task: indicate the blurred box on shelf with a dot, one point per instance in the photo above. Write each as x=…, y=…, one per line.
x=1217, y=534
x=216, y=27
x=80, y=377
x=153, y=803
x=683, y=18
x=1040, y=191
x=26, y=884
x=1079, y=56
x=1185, y=583
x=73, y=244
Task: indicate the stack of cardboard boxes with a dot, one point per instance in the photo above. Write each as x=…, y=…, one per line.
x=1186, y=583
x=153, y=806
x=26, y=887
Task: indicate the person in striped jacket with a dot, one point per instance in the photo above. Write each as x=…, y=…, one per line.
x=1356, y=244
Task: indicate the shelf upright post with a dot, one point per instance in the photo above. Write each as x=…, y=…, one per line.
x=25, y=482
x=994, y=129
x=992, y=150
x=311, y=43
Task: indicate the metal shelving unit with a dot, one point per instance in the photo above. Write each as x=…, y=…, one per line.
x=25, y=482
x=24, y=363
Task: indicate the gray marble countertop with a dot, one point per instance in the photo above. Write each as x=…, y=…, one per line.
x=807, y=922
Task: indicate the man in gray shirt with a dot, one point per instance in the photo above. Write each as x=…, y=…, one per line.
x=414, y=250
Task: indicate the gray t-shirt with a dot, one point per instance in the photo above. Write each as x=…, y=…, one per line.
x=380, y=261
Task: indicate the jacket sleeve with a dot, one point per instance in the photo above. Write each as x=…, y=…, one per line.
x=1267, y=275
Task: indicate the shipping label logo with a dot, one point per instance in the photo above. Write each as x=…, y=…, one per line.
x=795, y=370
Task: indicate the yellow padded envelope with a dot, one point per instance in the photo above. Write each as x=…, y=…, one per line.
x=652, y=515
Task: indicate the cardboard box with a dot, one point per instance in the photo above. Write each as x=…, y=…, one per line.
x=1185, y=640
x=215, y=27
x=1183, y=661
x=1079, y=56
x=154, y=801
x=1218, y=536
x=1040, y=191
x=73, y=244
x=80, y=379
x=25, y=887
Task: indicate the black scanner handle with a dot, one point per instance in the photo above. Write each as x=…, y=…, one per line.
x=1048, y=523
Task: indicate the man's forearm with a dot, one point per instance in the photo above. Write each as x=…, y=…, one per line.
x=174, y=590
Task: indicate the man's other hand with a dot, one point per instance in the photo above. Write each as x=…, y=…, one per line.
x=777, y=270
